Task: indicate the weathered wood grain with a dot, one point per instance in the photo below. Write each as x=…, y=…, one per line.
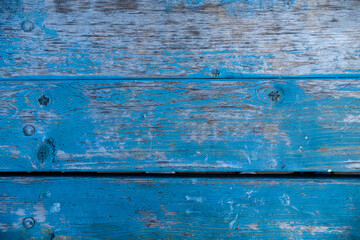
x=173, y=208
x=175, y=125
x=150, y=38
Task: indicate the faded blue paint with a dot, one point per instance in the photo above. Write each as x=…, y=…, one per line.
x=201, y=36
x=179, y=208
x=183, y=125
x=224, y=76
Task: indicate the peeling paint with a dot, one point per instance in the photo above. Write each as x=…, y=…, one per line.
x=55, y=208
x=196, y=199
x=40, y=212
x=313, y=230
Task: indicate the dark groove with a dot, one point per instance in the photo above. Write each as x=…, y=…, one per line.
x=308, y=175
x=187, y=78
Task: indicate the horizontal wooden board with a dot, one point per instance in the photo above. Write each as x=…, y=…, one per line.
x=175, y=208
x=173, y=125
x=137, y=38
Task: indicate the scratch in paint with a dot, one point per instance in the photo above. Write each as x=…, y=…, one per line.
x=285, y=200
x=352, y=119
x=300, y=229
x=196, y=199
x=231, y=224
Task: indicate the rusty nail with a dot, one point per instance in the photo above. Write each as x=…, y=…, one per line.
x=29, y=130
x=28, y=222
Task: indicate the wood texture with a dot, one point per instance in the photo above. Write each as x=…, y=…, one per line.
x=173, y=125
x=173, y=208
x=150, y=38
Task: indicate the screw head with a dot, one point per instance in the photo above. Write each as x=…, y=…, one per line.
x=28, y=222
x=27, y=26
x=28, y=130
x=44, y=100
x=215, y=72
x=274, y=96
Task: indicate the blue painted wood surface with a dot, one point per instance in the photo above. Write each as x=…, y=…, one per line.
x=147, y=38
x=177, y=208
x=222, y=108
x=181, y=125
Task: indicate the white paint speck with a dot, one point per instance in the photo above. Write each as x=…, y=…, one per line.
x=253, y=226
x=40, y=212
x=285, y=200
x=196, y=199
x=4, y=227
x=20, y=212
x=231, y=224
x=352, y=119
x=249, y=193
x=300, y=229
x=55, y=208
x=353, y=164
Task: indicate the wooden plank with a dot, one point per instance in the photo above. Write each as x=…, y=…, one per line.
x=150, y=38
x=173, y=125
x=154, y=208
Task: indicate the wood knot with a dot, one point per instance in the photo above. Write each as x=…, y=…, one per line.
x=274, y=95
x=46, y=150
x=270, y=94
x=51, y=236
x=44, y=100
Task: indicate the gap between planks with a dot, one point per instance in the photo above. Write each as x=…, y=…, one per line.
x=228, y=77
x=306, y=175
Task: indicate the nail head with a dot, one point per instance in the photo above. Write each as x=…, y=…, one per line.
x=29, y=130
x=27, y=26
x=215, y=72
x=274, y=95
x=28, y=222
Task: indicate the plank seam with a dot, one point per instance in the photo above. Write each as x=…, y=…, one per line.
x=223, y=78
x=186, y=174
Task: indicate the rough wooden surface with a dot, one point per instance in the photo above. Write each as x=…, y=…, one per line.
x=141, y=38
x=173, y=208
x=170, y=125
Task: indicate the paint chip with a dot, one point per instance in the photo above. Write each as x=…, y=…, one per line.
x=55, y=208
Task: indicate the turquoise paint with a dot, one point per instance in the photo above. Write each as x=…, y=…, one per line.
x=180, y=208
x=183, y=125
x=224, y=76
x=177, y=124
